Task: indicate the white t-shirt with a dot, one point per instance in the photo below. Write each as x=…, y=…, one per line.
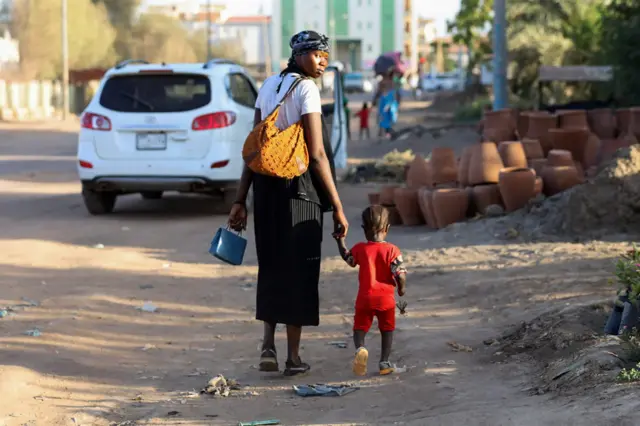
x=305, y=99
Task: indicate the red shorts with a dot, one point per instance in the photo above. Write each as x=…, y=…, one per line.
x=364, y=318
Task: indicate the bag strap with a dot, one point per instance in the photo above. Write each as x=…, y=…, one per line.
x=286, y=95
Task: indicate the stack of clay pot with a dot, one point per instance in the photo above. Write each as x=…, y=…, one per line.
x=386, y=197
x=499, y=125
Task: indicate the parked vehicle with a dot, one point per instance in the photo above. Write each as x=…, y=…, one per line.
x=357, y=82
x=439, y=82
x=153, y=128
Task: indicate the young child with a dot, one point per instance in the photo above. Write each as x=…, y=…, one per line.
x=381, y=270
x=364, y=121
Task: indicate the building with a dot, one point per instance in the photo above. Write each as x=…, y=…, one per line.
x=253, y=33
x=361, y=30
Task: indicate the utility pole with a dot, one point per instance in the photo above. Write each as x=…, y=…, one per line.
x=209, y=23
x=65, y=62
x=500, y=93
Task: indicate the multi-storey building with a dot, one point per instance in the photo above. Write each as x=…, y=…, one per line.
x=360, y=30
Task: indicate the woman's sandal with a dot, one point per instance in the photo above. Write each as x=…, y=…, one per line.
x=296, y=369
x=268, y=360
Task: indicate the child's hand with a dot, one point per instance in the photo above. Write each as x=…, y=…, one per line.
x=401, y=291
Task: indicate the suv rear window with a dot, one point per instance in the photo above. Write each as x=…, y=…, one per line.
x=156, y=93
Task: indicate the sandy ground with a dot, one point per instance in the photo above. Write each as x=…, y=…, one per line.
x=101, y=361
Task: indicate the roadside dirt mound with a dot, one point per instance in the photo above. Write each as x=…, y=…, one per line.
x=610, y=202
x=568, y=348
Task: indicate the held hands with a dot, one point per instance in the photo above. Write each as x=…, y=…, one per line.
x=340, y=225
x=238, y=217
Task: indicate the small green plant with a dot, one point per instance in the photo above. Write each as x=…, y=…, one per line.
x=628, y=274
x=629, y=375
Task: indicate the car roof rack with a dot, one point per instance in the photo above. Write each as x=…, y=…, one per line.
x=130, y=62
x=217, y=61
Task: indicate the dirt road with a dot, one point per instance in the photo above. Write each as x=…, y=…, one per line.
x=100, y=360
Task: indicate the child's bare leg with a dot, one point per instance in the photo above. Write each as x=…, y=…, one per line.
x=358, y=338
x=387, y=341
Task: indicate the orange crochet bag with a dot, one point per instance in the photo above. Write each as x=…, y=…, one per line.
x=274, y=152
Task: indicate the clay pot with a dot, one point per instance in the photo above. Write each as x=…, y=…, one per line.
x=522, y=122
x=538, y=128
x=374, y=198
x=502, y=118
x=406, y=200
x=623, y=120
x=517, y=187
x=602, y=122
x=498, y=134
x=592, y=150
x=463, y=166
x=537, y=164
x=559, y=157
x=418, y=174
x=634, y=125
x=443, y=166
x=537, y=190
x=572, y=119
x=394, y=216
x=485, y=195
x=485, y=164
x=572, y=139
x=425, y=200
x=471, y=208
x=450, y=206
x=611, y=146
x=532, y=148
x=387, y=195
x=558, y=179
x=512, y=154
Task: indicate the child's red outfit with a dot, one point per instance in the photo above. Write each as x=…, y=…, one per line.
x=364, y=118
x=380, y=263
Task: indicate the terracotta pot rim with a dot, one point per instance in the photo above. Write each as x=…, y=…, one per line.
x=559, y=151
x=569, y=129
x=506, y=170
x=449, y=190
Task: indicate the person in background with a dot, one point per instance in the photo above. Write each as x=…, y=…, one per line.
x=363, y=114
x=347, y=112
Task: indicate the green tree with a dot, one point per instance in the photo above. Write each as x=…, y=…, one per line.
x=160, y=38
x=469, y=28
x=227, y=49
x=122, y=14
x=620, y=36
x=36, y=24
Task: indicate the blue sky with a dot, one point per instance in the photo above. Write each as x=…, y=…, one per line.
x=440, y=10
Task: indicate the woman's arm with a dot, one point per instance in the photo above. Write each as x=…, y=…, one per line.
x=247, y=174
x=318, y=160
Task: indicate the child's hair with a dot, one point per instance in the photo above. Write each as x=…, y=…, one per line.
x=375, y=218
x=365, y=106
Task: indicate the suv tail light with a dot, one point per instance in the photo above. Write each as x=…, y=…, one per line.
x=93, y=121
x=216, y=120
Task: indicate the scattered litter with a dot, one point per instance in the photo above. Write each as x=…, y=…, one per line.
x=323, y=390
x=400, y=370
x=148, y=347
x=98, y=246
x=3, y=313
x=30, y=302
x=221, y=387
x=34, y=332
x=173, y=413
x=338, y=344
x=189, y=394
x=457, y=347
x=148, y=307
x=146, y=286
x=260, y=423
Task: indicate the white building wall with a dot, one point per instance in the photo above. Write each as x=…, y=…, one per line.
x=364, y=25
x=311, y=15
x=276, y=36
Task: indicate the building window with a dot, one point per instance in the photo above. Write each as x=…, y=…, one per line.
x=370, y=2
x=360, y=2
x=369, y=48
x=369, y=25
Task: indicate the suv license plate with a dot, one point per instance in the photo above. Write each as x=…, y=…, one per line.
x=151, y=141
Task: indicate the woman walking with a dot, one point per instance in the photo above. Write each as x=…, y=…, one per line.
x=288, y=213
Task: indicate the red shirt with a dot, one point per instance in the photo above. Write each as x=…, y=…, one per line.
x=377, y=283
x=364, y=118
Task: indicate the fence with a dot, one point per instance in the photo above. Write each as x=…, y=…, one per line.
x=39, y=100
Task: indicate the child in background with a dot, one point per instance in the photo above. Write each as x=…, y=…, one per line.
x=381, y=271
x=364, y=121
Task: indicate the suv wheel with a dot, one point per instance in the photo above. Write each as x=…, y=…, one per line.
x=151, y=195
x=98, y=203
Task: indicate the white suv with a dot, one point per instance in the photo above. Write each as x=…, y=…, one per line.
x=152, y=128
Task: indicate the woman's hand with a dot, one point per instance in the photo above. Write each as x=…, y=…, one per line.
x=238, y=217
x=340, y=224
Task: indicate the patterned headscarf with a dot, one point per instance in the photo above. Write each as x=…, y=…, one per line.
x=308, y=41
